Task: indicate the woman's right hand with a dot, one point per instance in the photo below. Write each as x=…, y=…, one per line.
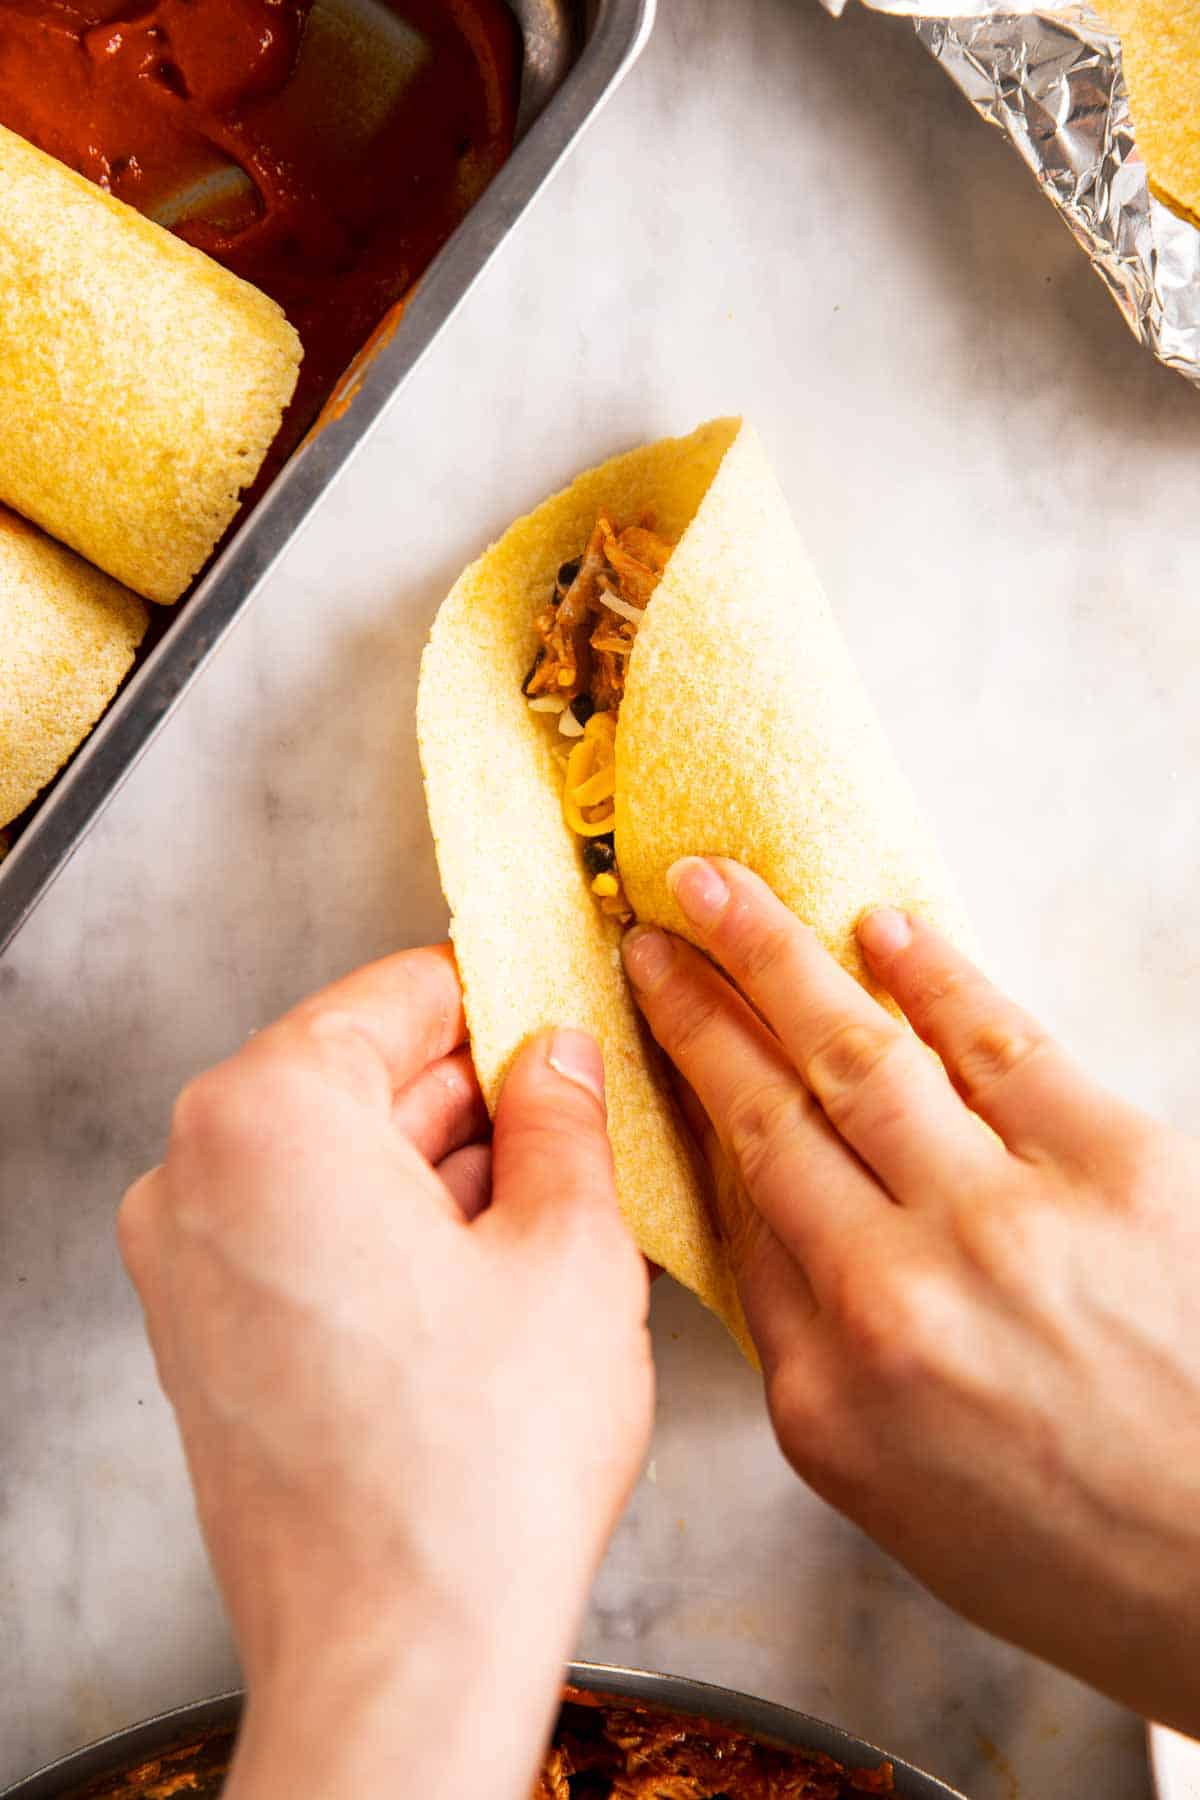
x=984, y=1346
x=409, y=1361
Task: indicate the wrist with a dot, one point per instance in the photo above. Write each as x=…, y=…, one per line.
x=421, y=1706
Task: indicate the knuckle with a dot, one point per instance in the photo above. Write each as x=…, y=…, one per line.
x=236, y=1104
x=939, y=990
x=848, y=1058
x=994, y=1051
x=198, y=1109
x=754, y=946
x=1140, y=1180
x=442, y=1099
x=1003, y=1243
x=536, y=1139
x=760, y=1127
x=896, y=1321
x=688, y=1019
x=333, y=1042
x=567, y=1140
x=134, y=1226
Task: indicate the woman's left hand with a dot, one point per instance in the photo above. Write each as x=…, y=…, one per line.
x=984, y=1346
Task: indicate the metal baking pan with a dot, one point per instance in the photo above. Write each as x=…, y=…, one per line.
x=196, y=1739
x=574, y=54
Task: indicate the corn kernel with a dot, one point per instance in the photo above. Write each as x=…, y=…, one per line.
x=605, y=885
x=565, y=677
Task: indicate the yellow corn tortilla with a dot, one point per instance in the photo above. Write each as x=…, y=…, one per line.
x=67, y=638
x=744, y=732
x=1160, y=59
x=141, y=384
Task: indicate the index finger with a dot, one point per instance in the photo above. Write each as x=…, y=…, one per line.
x=799, y=1175
x=881, y=1091
x=379, y=1027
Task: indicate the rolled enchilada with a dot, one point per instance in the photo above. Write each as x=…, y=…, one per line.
x=141, y=384
x=731, y=723
x=67, y=639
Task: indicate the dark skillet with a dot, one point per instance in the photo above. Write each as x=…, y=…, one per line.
x=186, y=1752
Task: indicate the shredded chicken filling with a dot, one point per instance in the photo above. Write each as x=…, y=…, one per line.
x=577, y=677
x=605, y=1750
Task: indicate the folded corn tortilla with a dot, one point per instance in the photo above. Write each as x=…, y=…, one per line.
x=1160, y=60
x=744, y=731
x=141, y=384
x=67, y=639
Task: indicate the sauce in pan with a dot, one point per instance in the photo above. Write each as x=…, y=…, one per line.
x=322, y=149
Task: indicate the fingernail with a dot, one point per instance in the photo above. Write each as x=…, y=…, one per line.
x=577, y=1058
x=699, y=889
x=648, y=956
x=884, y=931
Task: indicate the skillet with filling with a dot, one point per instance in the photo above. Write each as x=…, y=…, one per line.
x=602, y=1749
x=619, y=1750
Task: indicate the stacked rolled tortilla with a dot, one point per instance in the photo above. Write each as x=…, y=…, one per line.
x=69, y=637
x=743, y=731
x=1160, y=60
x=141, y=385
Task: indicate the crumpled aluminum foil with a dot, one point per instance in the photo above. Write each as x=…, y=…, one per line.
x=1051, y=81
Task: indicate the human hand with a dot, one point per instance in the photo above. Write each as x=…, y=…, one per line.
x=984, y=1348
x=411, y=1417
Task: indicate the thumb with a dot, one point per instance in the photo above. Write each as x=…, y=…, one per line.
x=552, y=1169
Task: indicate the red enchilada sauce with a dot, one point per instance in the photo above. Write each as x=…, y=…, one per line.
x=322, y=149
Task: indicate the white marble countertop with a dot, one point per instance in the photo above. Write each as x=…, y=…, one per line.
x=801, y=220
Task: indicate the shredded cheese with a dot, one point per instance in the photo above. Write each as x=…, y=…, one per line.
x=592, y=777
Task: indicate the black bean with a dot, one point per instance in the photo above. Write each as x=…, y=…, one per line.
x=598, y=855
x=534, y=666
x=568, y=571
x=583, y=706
